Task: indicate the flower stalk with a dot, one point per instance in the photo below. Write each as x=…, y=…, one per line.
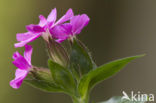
x=78, y=100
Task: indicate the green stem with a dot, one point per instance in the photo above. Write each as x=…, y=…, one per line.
x=80, y=100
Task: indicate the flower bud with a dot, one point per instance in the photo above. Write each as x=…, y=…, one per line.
x=57, y=52
x=41, y=78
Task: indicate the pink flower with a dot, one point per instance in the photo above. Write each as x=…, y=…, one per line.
x=23, y=65
x=42, y=29
x=64, y=31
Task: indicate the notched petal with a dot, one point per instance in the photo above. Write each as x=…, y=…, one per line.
x=24, y=36
x=35, y=28
x=43, y=21
x=28, y=53
x=21, y=63
x=19, y=77
x=52, y=16
x=69, y=14
x=23, y=43
x=79, y=22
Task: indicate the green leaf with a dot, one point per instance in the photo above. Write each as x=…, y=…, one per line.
x=42, y=79
x=95, y=76
x=62, y=77
x=80, y=59
x=120, y=100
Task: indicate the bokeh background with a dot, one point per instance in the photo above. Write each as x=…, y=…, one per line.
x=118, y=28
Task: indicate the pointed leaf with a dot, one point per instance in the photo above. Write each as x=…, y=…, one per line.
x=62, y=76
x=101, y=73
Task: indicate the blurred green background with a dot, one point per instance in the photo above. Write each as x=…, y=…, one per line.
x=118, y=28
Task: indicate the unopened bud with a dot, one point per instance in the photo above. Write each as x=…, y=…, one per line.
x=57, y=52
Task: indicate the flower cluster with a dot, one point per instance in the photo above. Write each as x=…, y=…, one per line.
x=65, y=28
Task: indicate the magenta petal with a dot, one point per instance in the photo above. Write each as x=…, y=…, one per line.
x=20, y=62
x=23, y=43
x=52, y=16
x=43, y=21
x=61, y=32
x=79, y=22
x=66, y=17
x=16, y=55
x=66, y=28
x=28, y=53
x=19, y=77
x=23, y=36
x=34, y=28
